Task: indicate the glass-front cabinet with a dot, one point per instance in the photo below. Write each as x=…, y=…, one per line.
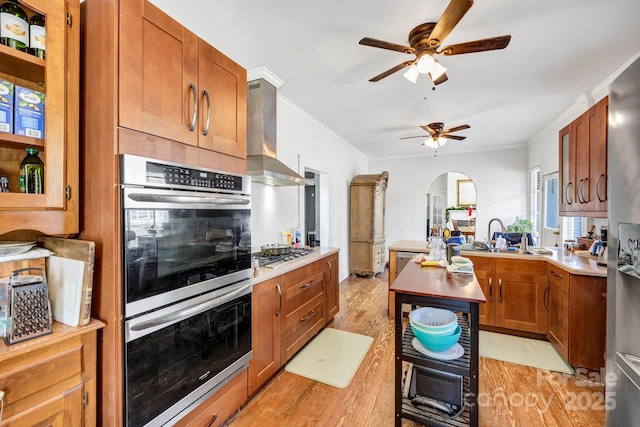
x=41, y=103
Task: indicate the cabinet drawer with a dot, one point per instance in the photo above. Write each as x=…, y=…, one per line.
x=40, y=374
x=297, y=293
x=558, y=277
x=219, y=407
x=303, y=324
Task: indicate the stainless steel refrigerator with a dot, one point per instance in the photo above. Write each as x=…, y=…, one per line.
x=623, y=281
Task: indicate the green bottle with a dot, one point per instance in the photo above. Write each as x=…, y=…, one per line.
x=37, y=36
x=14, y=28
x=32, y=173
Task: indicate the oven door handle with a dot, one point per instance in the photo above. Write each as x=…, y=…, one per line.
x=177, y=316
x=170, y=198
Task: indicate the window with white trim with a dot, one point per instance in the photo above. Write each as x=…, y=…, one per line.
x=535, y=200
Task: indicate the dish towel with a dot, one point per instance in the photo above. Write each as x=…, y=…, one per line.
x=461, y=265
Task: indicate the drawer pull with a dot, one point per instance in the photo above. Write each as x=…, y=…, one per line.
x=213, y=419
x=490, y=289
x=559, y=276
x=304, y=319
x=308, y=285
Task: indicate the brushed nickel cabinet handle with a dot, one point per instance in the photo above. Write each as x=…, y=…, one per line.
x=213, y=419
x=192, y=88
x=585, y=199
x=544, y=298
x=566, y=193
x=306, y=285
x=490, y=289
x=304, y=319
x=205, y=131
x=559, y=276
x=330, y=272
x=280, y=299
x=598, y=188
x=500, y=290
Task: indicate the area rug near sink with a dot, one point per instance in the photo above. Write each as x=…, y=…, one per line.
x=332, y=357
x=521, y=351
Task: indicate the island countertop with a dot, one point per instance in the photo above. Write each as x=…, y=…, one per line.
x=574, y=262
x=437, y=282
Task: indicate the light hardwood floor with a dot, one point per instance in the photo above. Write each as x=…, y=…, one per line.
x=510, y=395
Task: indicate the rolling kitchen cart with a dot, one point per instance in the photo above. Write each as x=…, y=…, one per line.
x=435, y=287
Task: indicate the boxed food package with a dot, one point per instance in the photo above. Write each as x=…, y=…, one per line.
x=28, y=112
x=6, y=106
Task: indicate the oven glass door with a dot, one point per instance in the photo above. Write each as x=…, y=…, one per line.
x=168, y=249
x=172, y=361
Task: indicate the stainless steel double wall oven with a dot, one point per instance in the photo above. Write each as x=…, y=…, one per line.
x=187, y=288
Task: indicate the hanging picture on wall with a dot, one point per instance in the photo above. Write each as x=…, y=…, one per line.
x=466, y=192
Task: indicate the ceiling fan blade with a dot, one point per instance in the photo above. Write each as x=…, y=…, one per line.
x=390, y=71
x=428, y=129
x=456, y=129
x=443, y=78
x=449, y=19
x=367, y=41
x=417, y=136
x=492, y=43
x=456, y=137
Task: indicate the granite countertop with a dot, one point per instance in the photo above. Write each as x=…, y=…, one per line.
x=266, y=273
x=574, y=262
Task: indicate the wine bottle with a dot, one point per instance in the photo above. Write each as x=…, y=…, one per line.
x=14, y=29
x=37, y=36
x=32, y=173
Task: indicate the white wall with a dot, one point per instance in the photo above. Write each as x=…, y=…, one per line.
x=304, y=142
x=501, y=185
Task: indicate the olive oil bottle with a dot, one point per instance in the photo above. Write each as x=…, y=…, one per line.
x=14, y=28
x=32, y=173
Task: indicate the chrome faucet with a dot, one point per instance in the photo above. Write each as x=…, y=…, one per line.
x=491, y=241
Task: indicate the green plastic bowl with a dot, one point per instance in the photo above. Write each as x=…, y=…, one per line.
x=437, y=343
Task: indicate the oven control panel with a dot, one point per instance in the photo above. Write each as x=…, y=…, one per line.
x=176, y=175
x=149, y=172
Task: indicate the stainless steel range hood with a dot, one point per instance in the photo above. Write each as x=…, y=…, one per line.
x=262, y=164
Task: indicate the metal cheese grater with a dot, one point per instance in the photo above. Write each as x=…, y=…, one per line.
x=27, y=306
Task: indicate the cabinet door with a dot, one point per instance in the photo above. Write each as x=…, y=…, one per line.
x=59, y=147
x=587, y=321
x=598, y=145
x=158, y=73
x=59, y=411
x=223, y=103
x=557, y=300
x=266, y=306
x=567, y=169
x=520, y=297
x=332, y=281
x=484, y=269
x=582, y=158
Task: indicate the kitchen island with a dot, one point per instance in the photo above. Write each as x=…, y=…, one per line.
x=461, y=293
x=559, y=296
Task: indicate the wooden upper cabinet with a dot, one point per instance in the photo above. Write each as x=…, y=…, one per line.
x=176, y=86
x=583, y=163
x=57, y=76
x=223, y=103
x=158, y=74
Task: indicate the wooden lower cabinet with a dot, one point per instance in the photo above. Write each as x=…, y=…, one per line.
x=332, y=280
x=287, y=312
x=515, y=291
x=217, y=409
x=558, y=307
x=266, y=307
x=587, y=321
x=51, y=380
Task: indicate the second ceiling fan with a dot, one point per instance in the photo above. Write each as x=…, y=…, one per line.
x=438, y=135
x=425, y=41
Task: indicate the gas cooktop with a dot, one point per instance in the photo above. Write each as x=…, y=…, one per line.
x=275, y=261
